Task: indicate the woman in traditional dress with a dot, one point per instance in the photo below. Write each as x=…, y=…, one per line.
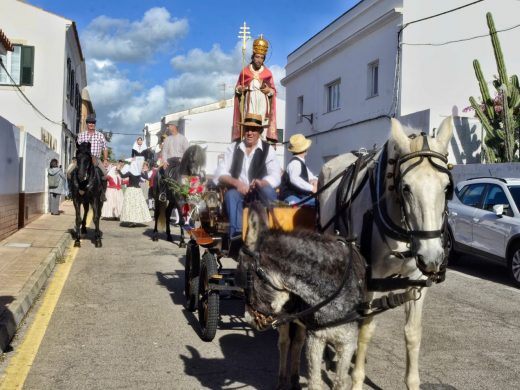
x=139, y=149
x=135, y=210
x=113, y=206
x=57, y=182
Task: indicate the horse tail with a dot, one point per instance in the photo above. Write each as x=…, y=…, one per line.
x=162, y=215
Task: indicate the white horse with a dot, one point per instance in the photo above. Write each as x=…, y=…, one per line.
x=407, y=197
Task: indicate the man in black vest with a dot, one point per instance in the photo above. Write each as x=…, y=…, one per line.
x=248, y=165
x=298, y=181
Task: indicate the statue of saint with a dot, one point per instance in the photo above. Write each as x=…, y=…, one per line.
x=255, y=95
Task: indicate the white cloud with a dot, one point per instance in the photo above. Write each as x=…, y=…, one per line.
x=137, y=41
x=205, y=73
x=124, y=104
x=214, y=60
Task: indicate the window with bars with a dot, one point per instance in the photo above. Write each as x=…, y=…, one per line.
x=299, y=109
x=333, y=96
x=19, y=65
x=373, y=79
x=69, y=68
x=71, y=88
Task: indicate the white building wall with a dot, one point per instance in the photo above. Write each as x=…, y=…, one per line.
x=435, y=81
x=367, y=33
x=32, y=26
x=10, y=166
x=210, y=126
x=441, y=78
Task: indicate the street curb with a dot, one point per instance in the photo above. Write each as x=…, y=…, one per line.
x=11, y=318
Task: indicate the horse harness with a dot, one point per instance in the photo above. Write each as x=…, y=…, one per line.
x=385, y=226
x=381, y=219
x=361, y=311
x=88, y=182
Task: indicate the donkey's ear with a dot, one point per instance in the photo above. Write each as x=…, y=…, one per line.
x=255, y=225
x=400, y=138
x=445, y=132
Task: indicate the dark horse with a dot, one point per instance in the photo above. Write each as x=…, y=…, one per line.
x=192, y=162
x=86, y=189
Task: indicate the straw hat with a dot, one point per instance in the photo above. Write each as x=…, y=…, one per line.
x=253, y=120
x=298, y=144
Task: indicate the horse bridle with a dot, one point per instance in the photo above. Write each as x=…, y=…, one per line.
x=274, y=320
x=411, y=235
x=90, y=173
x=266, y=319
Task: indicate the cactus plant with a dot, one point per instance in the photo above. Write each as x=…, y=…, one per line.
x=500, y=116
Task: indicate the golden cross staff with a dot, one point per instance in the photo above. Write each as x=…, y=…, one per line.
x=244, y=35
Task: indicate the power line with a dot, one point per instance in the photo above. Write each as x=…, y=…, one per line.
x=441, y=13
x=397, y=75
x=459, y=40
x=127, y=133
x=26, y=98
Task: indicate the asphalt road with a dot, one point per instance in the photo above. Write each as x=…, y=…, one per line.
x=120, y=323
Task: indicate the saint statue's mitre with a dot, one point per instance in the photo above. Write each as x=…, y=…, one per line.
x=260, y=45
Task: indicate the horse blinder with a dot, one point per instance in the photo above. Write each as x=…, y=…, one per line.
x=429, y=154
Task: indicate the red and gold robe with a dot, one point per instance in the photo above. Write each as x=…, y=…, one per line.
x=244, y=79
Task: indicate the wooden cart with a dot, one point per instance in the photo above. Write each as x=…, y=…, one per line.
x=205, y=277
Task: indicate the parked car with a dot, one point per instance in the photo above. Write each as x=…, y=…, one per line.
x=484, y=221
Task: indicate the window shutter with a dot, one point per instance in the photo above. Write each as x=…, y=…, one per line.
x=27, y=62
x=72, y=83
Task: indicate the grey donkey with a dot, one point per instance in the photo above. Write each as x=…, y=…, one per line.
x=284, y=273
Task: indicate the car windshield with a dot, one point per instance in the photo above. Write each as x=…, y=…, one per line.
x=515, y=192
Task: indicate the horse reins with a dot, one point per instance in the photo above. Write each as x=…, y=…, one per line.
x=271, y=318
x=399, y=233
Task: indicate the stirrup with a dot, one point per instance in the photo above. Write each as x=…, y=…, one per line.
x=162, y=197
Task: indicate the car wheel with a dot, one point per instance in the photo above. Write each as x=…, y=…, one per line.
x=513, y=264
x=453, y=255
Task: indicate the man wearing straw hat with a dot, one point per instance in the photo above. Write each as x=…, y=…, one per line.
x=255, y=93
x=298, y=182
x=248, y=165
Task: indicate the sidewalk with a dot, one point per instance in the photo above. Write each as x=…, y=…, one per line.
x=27, y=258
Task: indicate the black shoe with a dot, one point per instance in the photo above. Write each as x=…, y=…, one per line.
x=103, y=197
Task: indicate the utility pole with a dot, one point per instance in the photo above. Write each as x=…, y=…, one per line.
x=223, y=86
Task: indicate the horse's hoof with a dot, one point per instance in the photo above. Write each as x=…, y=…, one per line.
x=77, y=244
x=155, y=239
x=98, y=244
x=182, y=245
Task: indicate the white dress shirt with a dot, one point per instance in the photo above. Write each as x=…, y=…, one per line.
x=294, y=170
x=274, y=171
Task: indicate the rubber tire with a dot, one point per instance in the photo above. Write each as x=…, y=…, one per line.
x=208, y=301
x=513, y=264
x=191, y=281
x=453, y=255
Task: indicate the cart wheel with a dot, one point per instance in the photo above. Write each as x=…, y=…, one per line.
x=208, y=300
x=191, y=275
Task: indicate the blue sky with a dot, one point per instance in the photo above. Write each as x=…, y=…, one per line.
x=149, y=58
